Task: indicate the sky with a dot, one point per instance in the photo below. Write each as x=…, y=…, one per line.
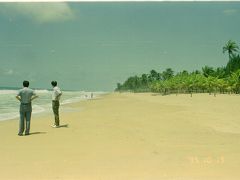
x=92, y=46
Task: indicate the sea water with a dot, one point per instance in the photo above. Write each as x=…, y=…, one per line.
x=9, y=105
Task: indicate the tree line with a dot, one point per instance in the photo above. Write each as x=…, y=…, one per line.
x=209, y=79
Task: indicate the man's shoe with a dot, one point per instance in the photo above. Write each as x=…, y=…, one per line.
x=26, y=134
x=20, y=134
x=54, y=126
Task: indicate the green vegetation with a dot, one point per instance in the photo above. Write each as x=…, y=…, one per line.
x=212, y=80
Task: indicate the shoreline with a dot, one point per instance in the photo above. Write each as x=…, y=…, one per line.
x=129, y=136
x=42, y=109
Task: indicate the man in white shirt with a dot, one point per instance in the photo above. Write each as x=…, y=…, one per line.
x=25, y=96
x=56, y=94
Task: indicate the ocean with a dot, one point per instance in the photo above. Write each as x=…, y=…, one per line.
x=9, y=105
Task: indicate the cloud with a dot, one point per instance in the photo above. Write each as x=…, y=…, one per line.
x=52, y=51
x=6, y=72
x=230, y=11
x=9, y=72
x=40, y=12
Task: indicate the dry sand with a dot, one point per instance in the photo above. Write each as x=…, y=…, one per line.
x=129, y=137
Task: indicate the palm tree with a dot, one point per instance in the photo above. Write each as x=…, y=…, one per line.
x=220, y=72
x=230, y=47
x=167, y=74
x=153, y=75
x=235, y=81
x=212, y=84
x=119, y=86
x=208, y=71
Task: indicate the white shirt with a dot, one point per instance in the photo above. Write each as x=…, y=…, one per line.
x=56, y=93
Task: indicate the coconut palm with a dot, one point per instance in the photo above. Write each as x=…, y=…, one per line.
x=235, y=81
x=153, y=75
x=230, y=47
x=167, y=74
x=208, y=71
x=144, y=79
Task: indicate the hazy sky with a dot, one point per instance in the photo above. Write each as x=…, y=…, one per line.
x=92, y=46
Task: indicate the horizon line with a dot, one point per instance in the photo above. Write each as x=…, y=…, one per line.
x=64, y=1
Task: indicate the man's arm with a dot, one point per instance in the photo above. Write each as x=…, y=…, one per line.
x=34, y=97
x=59, y=93
x=58, y=96
x=18, y=98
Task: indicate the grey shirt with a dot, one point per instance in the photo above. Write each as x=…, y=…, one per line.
x=26, y=94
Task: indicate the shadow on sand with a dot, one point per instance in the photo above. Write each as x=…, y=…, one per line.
x=34, y=133
x=63, y=126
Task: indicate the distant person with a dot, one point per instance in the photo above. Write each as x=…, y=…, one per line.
x=25, y=96
x=56, y=94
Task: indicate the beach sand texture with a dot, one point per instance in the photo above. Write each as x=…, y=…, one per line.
x=126, y=136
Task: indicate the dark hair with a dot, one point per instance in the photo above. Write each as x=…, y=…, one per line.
x=25, y=83
x=54, y=83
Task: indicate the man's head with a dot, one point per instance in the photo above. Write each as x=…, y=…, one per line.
x=25, y=83
x=54, y=83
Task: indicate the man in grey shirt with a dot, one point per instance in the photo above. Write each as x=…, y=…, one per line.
x=25, y=96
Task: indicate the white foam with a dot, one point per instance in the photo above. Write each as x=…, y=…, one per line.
x=43, y=91
x=38, y=109
x=82, y=97
x=7, y=116
x=8, y=92
x=9, y=107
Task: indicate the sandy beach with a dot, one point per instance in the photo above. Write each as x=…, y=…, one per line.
x=126, y=136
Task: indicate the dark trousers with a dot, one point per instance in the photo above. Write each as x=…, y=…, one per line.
x=55, y=107
x=25, y=117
